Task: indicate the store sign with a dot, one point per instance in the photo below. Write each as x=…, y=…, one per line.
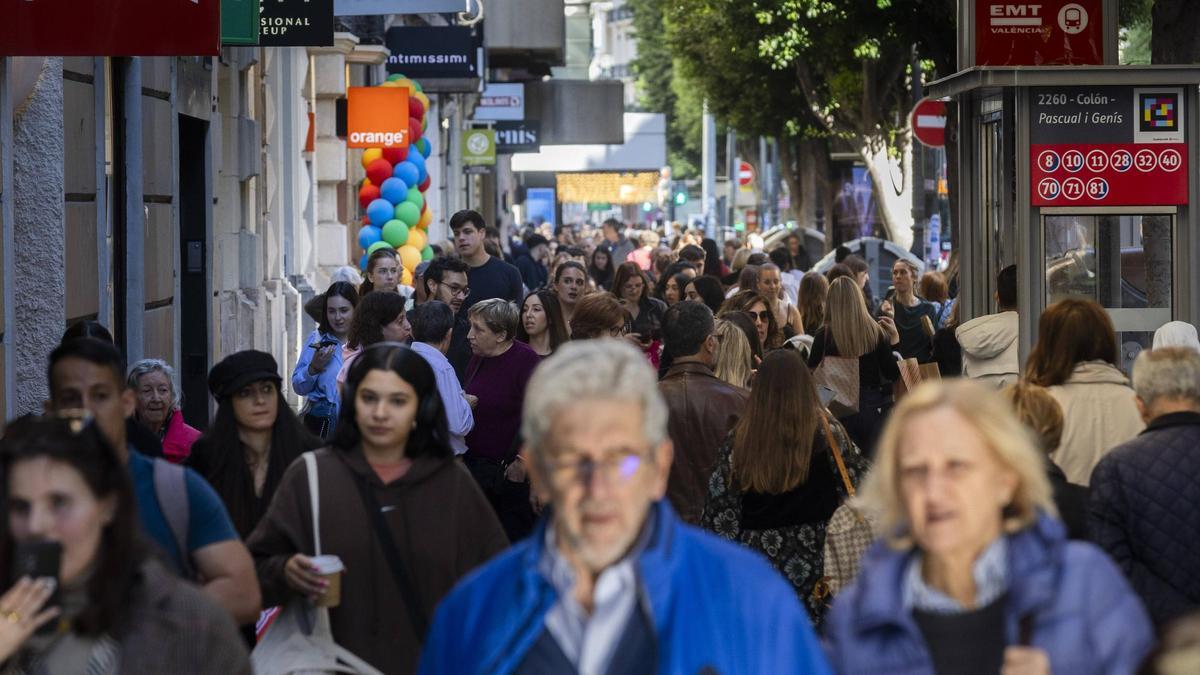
x=296, y=23
x=1044, y=33
x=479, y=147
x=501, y=101
x=1108, y=146
x=519, y=136
x=239, y=22
x=433, y=52
x=110, y=28
x=377, y=117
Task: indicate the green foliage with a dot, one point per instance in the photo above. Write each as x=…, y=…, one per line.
x=660, y=90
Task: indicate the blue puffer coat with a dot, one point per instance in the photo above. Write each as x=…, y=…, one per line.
x=715, y=607
x=1085, y=615
x=1145, y=512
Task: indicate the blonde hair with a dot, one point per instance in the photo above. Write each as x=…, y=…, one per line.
x=733, y=355
x=740, y=258
x=854, y=331
x=985, y=410
x=1037, y=409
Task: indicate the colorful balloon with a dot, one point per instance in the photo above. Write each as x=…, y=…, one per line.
x=426, y=219
x=395, y=155
x=369, y=234
x=417, y=86
x=424, y=147
x=375, y=247
x=380, y=211
x=394, y=190
x=417, y=239
x=406, y=277
x=427, y=252
x=422, y=172
x=420, y=96
x=370, y=155
x=416, y=108
x=367, y=194
x=362, y=263
x=408, y=212
x=395, y=233
x=409, y=257
x=395, y=76
x=380, y=170
x=414, y=197
x=407, y=172
x=390, y=84
x=414, y=129
x=425, y=184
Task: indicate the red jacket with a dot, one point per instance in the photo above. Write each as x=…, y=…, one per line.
x=177, y=442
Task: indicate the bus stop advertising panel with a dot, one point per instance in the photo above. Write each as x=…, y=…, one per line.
x=1108, y=146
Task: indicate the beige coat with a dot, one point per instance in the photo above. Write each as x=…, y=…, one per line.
x=1099, y=414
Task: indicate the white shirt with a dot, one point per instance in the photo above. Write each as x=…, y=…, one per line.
x=459, y=419
x=589, y=642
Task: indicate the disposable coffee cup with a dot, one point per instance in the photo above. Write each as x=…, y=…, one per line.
x=330, y=568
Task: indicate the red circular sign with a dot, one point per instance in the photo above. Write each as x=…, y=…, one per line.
x=929, y=122
x=745, y=174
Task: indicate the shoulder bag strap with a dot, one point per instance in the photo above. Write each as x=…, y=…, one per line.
x=314, y=497
x=416, y=614
x=170, y=488
x=837, y=455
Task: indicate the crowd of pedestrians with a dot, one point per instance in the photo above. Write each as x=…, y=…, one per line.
x=642, y=453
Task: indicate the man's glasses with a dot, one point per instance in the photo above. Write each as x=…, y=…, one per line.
x=618, y=468
x=457, y=291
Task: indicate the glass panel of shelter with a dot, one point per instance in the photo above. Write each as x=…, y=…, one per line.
x=1122, y=261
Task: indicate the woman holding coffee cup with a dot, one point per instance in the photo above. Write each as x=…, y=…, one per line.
x=401, y=521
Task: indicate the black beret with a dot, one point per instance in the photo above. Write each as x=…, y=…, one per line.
x=240, y=369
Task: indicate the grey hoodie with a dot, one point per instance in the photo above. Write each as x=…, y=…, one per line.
x=989, y=348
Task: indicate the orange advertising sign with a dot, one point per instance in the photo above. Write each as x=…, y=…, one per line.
x=377, y=117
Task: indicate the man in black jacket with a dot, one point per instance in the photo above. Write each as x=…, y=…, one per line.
x=1145, y=493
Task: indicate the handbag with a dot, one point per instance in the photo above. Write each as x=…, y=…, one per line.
x=300, y=640
x=839, y=373
x=847, y=536
x=913, y=374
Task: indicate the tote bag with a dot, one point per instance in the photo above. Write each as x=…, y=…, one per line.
x=300, y=641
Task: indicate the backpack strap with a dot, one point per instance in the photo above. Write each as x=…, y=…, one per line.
x=170, y=488
x=314, y=497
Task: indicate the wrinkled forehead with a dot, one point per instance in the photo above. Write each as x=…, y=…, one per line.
x=595, y=425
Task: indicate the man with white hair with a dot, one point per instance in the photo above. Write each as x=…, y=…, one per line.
x=1143, y=505
x=612, y=581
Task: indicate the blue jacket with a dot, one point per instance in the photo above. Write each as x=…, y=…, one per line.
x=1144, y=512
x=712, y=604
x=1085, y=616
x=321, y=389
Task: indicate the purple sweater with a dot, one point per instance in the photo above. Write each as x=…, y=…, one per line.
x=499, y=382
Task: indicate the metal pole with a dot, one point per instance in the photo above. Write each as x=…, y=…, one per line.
x=731, y=178
x=708, y=185
x=918, y=170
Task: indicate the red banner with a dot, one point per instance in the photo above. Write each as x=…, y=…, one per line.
x=110, y=28
x=1045, y=33
x=1113, y=174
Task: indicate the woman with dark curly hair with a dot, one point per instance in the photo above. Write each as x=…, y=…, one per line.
x=379, y=317
x=770, y=335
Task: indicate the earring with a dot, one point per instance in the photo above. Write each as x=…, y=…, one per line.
x=414, y=426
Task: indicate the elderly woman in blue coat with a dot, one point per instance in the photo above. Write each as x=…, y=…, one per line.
x=975, y=573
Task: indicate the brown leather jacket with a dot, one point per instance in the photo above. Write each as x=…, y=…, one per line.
x=702, y=410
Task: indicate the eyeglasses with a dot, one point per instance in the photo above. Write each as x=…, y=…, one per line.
x=618, y=467
x=618, y=331
x=463, y=292
x=763, y=316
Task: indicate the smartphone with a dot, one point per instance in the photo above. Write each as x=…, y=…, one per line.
x=826, y=395
x=38, y=560
x=323, y=343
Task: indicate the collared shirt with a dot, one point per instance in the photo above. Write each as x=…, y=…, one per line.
x=589, y=642
x=990, y=572
x=459, y=419
x=321, y=389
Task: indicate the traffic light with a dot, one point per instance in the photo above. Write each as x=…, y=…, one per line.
x=680, y=198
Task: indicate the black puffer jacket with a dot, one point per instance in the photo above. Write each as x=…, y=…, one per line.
x=1143, y=512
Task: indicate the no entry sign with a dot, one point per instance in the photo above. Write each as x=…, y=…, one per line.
x=1108, y=146
x=929, y=122
x=745, y=174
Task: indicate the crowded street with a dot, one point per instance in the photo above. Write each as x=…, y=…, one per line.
x=484, y=337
